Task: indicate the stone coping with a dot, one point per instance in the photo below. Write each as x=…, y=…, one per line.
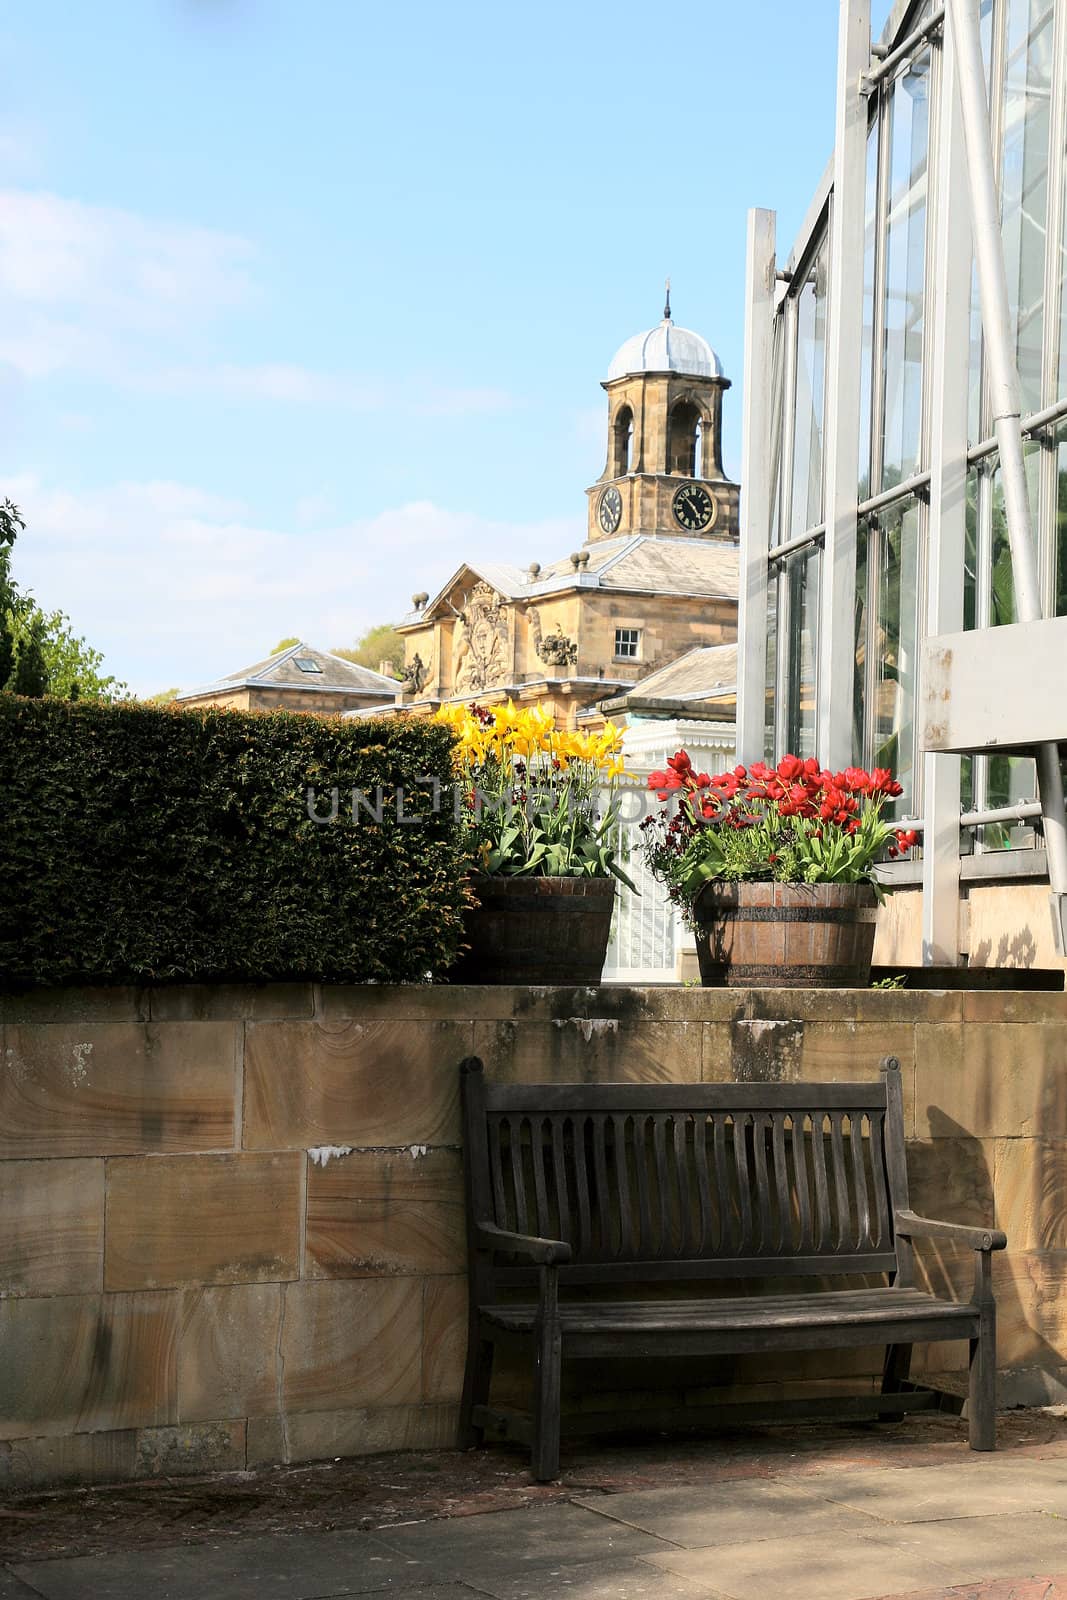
x=227, y=1002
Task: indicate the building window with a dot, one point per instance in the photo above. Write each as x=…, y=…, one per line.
x=623, y=443
x=627, y=643
x=684, y=446
x=307, y=664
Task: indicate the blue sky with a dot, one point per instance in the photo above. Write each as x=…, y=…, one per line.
x=305, y=303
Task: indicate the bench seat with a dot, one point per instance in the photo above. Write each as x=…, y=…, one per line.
x=880, y=1310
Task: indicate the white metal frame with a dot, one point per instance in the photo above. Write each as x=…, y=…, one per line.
x=961, y=181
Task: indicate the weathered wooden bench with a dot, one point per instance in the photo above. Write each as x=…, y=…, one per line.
x=574, y=1187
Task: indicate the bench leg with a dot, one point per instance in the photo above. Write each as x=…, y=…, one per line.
x=548, y=1361
x=476, y=1380
x=982, y=1402
x=894, y=1376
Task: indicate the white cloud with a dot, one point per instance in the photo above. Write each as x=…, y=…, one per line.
x=140, y=272
x=179, y=586
x=296, y=385
x=102, y=291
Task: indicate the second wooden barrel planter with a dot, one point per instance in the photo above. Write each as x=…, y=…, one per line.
x=536, y=930
x=785, y=935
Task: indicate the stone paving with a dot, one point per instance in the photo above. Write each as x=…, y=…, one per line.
x=964, y=1526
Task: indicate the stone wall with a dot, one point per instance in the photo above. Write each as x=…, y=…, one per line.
x=231, y=1220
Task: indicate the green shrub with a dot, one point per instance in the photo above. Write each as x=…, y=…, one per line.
x=140, y=842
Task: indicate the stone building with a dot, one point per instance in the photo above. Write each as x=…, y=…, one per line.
x=299, y=678
x=656, y=577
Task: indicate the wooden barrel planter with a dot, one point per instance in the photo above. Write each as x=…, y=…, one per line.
x=785, y=935
x=536, y=930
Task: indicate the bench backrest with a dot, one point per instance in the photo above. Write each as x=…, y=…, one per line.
x=673, y=1181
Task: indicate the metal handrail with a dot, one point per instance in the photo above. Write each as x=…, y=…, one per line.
x=888, y=64
x=800, y=541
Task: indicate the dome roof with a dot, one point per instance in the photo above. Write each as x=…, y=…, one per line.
x=666, y=348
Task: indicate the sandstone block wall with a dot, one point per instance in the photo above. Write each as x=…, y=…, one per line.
x=231, y=1219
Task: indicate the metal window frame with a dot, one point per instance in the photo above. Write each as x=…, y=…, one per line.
x=946, y=514
x=757, y=472
x=946, y=455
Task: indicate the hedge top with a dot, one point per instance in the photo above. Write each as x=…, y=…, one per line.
x=147, y=842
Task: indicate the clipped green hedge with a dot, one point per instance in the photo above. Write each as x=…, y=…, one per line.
x=141, y=843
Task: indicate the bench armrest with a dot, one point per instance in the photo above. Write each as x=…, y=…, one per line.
x=912, y=1226
x=543, y=1252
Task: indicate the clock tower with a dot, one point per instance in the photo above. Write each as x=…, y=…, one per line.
x=664, y=473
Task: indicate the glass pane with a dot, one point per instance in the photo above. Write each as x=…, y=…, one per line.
x=1024, y=180
x=1061, y=388
x=1061, y=527
x=802, y=577
x=777, y=386
x=1009, y=780
x=970, y=553
x=967, y=787
x=974, y=365
x=905, y=272
x=897, y=644
x=770, y=694
x=859, y=680
x=1002, y=584
x=808, y=398
x=974, y=396
x=867, y=353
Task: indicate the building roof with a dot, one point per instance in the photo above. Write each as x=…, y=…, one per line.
x=699, y=677
x=640, y=563
x=665, y=348
x=700, y=674
x=325, y=673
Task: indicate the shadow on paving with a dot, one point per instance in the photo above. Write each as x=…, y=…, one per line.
x=375, y=1494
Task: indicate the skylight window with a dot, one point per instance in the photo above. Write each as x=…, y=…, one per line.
x=306, y=664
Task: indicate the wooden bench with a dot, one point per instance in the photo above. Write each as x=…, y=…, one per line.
x=573, y=1187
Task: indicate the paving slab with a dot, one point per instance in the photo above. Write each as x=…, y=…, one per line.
x=937, y=1494
x=597, y=1580
x=992, y=1547
x=805, y=1568
x=507, y=1544
x=1044, y=1588
x=307, y=1567
x=695, y=1515
x=12, y=1588
x=436, y=1591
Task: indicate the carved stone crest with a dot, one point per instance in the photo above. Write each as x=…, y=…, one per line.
x=479, y=645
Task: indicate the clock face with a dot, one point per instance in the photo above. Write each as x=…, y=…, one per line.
x=693, y=507
x=609, y=511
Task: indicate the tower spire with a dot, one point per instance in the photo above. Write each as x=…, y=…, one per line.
x=667, y=306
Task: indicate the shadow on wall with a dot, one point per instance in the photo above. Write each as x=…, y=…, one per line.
x=1018, y=952
x=1015, y=1176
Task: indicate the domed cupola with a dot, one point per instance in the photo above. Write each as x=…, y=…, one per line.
x=665, y=348
x=664, y=474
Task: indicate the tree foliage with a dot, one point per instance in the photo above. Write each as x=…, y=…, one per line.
x=39, y=651
x=378, y=644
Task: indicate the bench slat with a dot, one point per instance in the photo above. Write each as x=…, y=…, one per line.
x=666, y=1097
x=704, y=1268
x=859, y=1174
x=800, y=1162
